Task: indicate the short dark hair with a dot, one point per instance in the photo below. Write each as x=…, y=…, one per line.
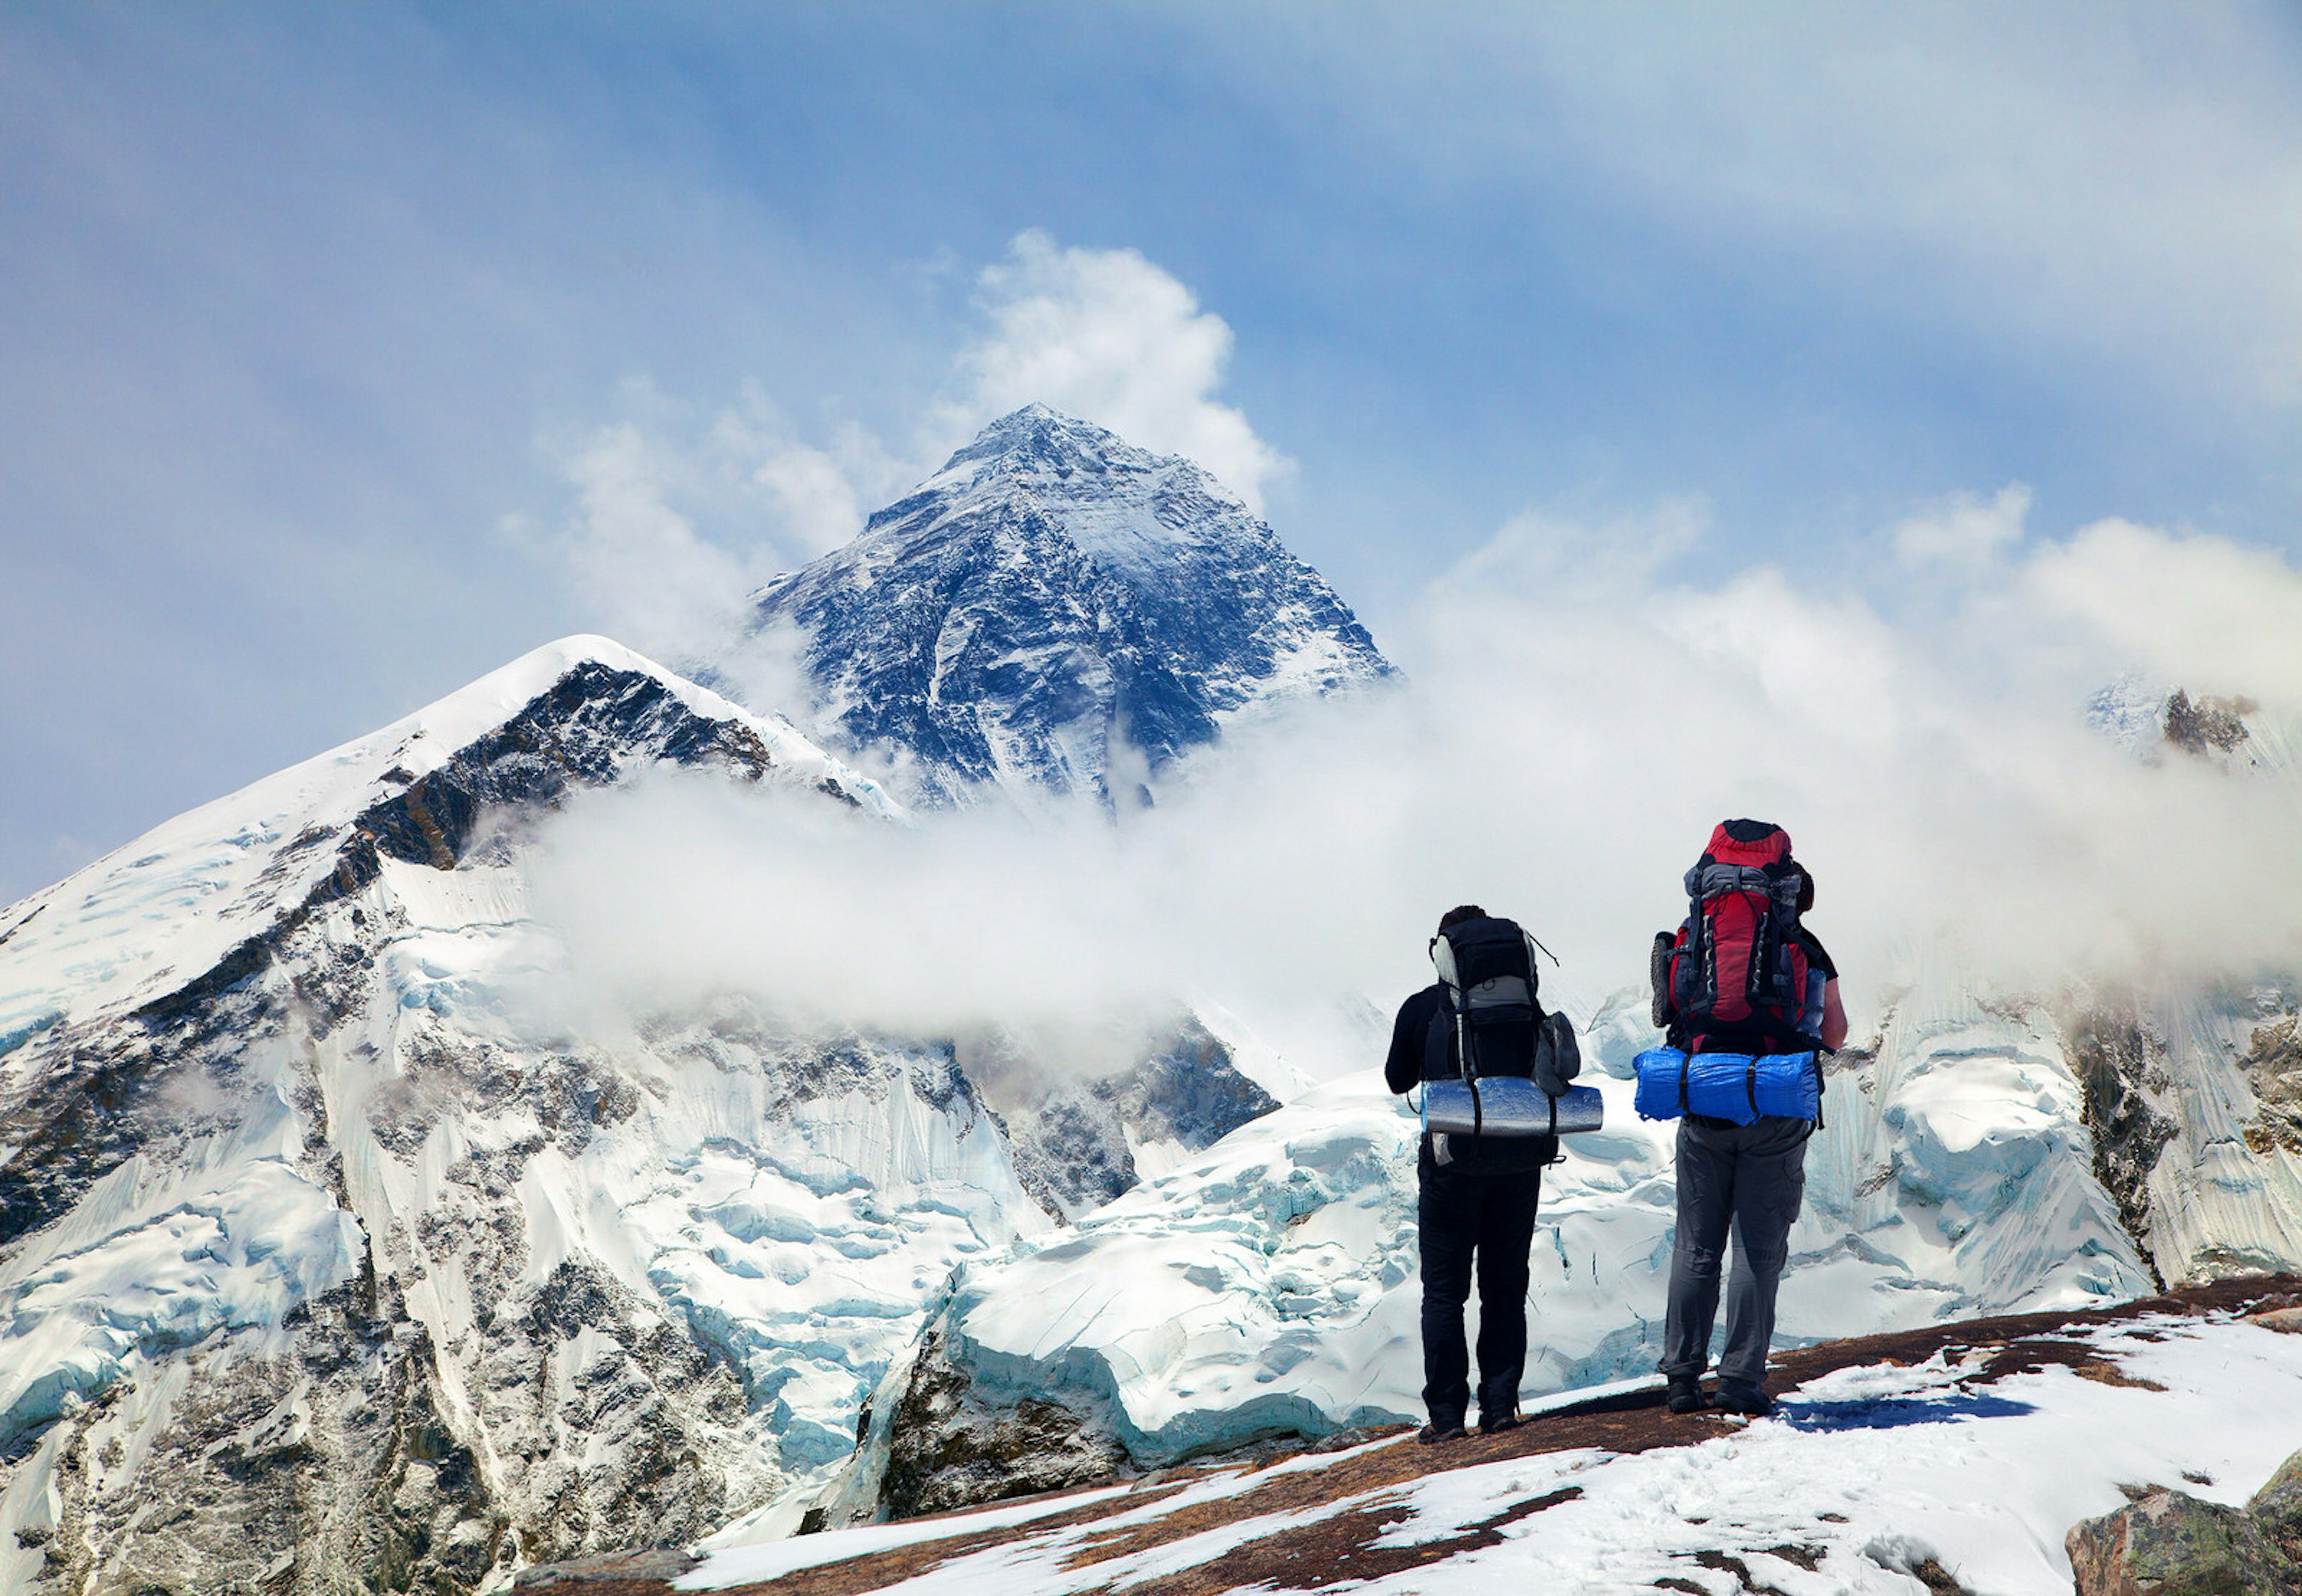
x=1462, y=912
x=1806, y=889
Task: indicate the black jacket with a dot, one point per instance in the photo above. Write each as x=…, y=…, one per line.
x=1410, y=1063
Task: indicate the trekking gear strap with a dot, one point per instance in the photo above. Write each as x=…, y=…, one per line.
x=1462, y=1002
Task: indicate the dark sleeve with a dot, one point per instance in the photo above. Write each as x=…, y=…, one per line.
x=1404, y=1066
x=1817, y=955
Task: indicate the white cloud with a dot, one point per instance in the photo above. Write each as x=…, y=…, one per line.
x=1573, y=732
x=2203, y=612
x=1967, y=529
x=675, y=521
x=636, y=561
x=1107, y=336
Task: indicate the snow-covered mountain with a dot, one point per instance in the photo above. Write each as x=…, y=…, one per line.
x=329, y=1251
x=332, y=1238
x=1058, y=608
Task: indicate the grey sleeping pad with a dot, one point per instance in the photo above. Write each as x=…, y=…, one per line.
x=1557, y=1057
x=1516, y=1105
x=1507, y=1105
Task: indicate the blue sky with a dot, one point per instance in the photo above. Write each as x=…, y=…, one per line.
x=336, y=340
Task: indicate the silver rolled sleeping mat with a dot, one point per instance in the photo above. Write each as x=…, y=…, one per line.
x=1508, y=1105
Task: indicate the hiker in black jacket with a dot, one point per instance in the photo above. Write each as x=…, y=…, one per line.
x=1477, y=1203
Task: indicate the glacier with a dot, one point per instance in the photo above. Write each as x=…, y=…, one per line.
x=1270, y=1286
x=301, y=1168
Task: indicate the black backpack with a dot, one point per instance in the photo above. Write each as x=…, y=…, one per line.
x=1491, y=1022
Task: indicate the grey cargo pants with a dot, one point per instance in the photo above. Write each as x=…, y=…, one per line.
x=1746, y=1180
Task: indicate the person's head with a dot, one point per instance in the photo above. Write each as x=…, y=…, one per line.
x=1455, y=916
x=1806, y=889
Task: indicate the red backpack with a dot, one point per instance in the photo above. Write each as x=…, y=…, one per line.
x=1736, y=977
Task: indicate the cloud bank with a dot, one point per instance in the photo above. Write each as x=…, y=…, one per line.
x=1580, y=722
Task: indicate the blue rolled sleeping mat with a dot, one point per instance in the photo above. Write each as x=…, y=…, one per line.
x=1507, y=1105
x=1729, y=1086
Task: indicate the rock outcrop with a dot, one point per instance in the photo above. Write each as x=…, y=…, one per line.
x=2171, y=1544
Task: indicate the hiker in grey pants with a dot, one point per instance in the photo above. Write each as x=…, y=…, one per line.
x=1742, y=1180
x=1745, y=939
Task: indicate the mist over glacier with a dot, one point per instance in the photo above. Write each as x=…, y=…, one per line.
x=1571, y=722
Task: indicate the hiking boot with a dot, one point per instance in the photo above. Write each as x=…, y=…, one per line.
x=1501, y=1422
x=1740, y=1396
x=1438, y=1430
x=1684, y=1394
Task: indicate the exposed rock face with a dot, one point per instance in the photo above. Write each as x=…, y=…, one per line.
x=1079, y=1145
x=2194, y=1101
x=2277, y=1508
x=951, y=1449
x=1056, y=608
x=2119, y=1064
x=2273, y=1068
x=2170, y=1543
x=2208, y=723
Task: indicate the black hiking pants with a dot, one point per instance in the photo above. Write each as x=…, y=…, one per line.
x=1744, y=1181
x=1463, y=1218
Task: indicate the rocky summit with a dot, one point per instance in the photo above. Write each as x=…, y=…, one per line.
x=1058, y=608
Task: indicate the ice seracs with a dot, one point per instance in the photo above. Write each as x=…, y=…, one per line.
x=1270, y=1286
x=1056, y=609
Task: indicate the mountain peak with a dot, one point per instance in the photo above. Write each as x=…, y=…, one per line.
x=1057, y=603
x=1042, y=452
